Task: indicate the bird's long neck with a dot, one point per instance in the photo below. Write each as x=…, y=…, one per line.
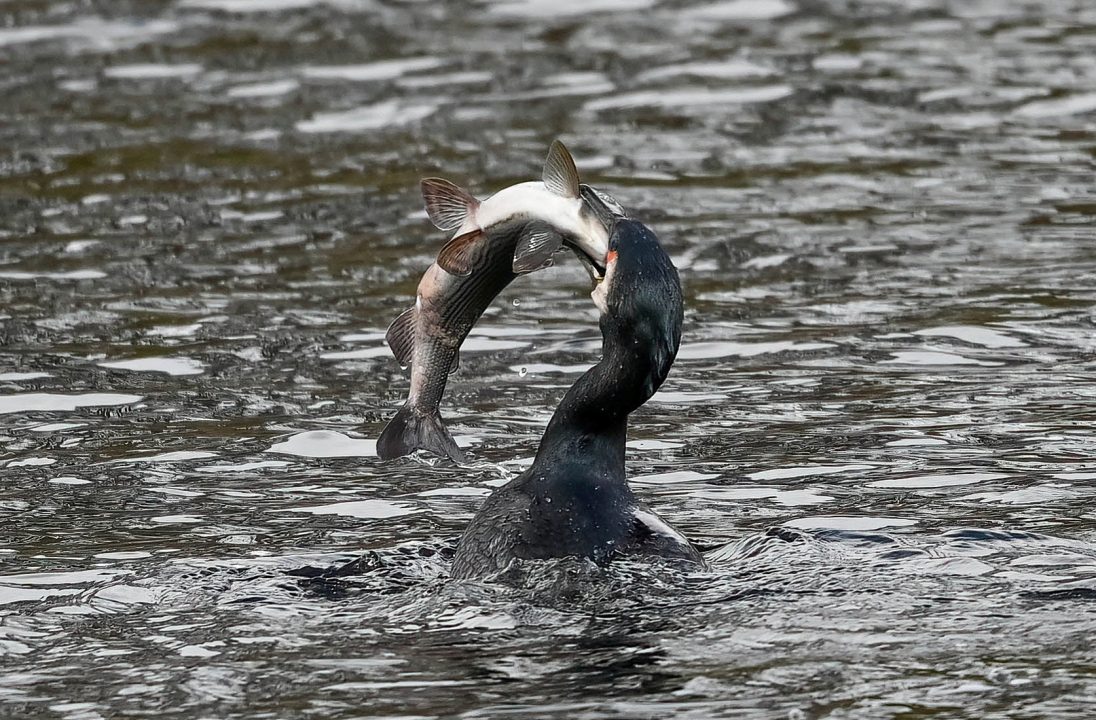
x=590, y=425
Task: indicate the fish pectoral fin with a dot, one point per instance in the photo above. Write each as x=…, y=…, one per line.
x=456, y=362
x=560, y=173
x=447, y=204
x=458, y=257
x=401, y=336
x=537, y=244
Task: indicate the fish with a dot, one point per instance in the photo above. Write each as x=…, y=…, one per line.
x=516, y=231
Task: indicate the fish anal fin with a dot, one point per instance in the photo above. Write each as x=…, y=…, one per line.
x=401, y=336
x=459, y=254
x=447, y=204
x=537, y=244
x=560, y=173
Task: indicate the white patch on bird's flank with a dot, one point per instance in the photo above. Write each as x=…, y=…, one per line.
x=655, y=524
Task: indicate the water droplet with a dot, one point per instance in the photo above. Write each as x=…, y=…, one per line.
x=523, y=372
x=517, y=302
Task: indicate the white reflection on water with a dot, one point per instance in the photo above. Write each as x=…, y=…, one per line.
x=731, y=69
x=152, y=71
x=273, y=88
x=38, y=402
x=797, y=472
x=91, y=32
x=695, y=98
x=842, y=522
x=169, y=457
x=369, y=72
x=932, y=357
x=937, y=481
x=975, y=335
x=1058, y=107
x=741, y=10
x=728, y=348
x=325, y=443
x=270, y=6
x=367, y=509
x=52, y=275
x=564, y=8
x=168, y=365
x=388, y=113
x=17, y=376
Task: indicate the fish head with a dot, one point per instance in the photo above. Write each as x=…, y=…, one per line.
x=601, y=209
x=602, y=206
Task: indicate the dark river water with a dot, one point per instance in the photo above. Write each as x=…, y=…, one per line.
x=879, y=428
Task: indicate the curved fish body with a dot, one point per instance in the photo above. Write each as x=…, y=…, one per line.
x=514, y=232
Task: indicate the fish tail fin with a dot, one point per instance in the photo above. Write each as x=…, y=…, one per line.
x=409, y=431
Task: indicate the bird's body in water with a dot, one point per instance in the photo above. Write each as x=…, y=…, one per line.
x=575, y=500
x=516, y=231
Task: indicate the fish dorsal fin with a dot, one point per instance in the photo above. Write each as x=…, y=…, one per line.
x=459, y=254
x=447, y=204
x=401, y=336
x=537, y=244
x=560, y=173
